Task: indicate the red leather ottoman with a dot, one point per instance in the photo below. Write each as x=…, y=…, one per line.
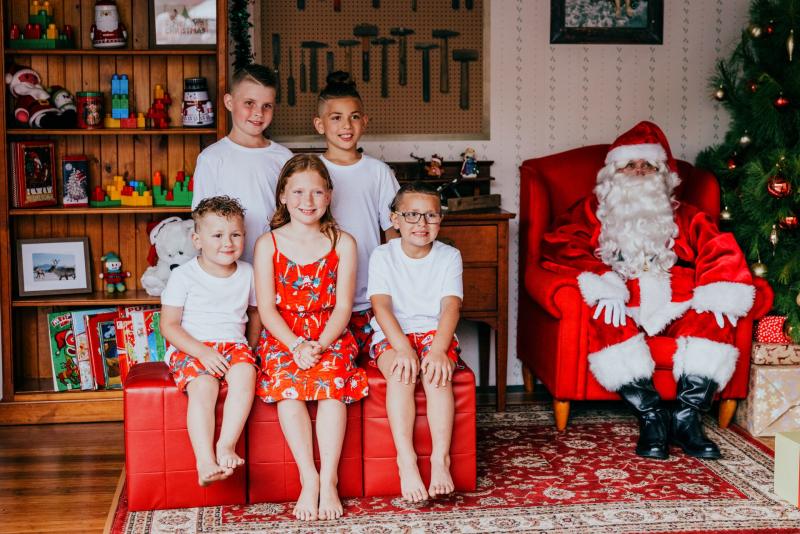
x=380, y=466
x=271, y=471
x=159, y=462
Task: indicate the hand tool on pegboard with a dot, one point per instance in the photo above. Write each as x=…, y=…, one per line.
x=366, y=32
x=348, y=45
x=303, y=80
x=469, y=4
x=337, y=5
x=376, y=4
x=456, y=4
x=276, y=62
x=313, y=63
x=301, y=5
x=444, y=58
x=291, y=96
x=402, y=52
x=413, y=5
x=384, y=43
x=426, y=48
x=329, y=62
x=464, y=56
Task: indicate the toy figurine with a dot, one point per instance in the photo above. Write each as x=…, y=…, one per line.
x=469, y=169
x=107, y=31
x=157, y=114
x=32, y=105
x=64, y=102
x=434, y=168
x=113, y=275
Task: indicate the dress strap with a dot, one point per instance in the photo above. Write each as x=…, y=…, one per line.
x=274, y=243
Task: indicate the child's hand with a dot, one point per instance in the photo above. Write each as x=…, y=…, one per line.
x=438, y=368
x=214, y=362
x=405, y=366
x=305, y=356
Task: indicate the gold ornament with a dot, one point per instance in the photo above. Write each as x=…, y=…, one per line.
x=773, y=236
x=719, y=94
x=787, y=328
x=790, y=44
x=725, y=214
x=797, y=299
x=755, y=31
x=759, y=269
x=744, y=140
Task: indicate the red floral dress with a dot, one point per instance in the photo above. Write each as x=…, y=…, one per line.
x=305, y=296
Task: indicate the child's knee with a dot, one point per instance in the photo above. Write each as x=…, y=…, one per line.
x=203, y=386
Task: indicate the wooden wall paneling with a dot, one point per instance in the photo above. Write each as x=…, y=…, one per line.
x=18, y=13
x=72, y=15
x=45, y=367
x=27, y=367
x=173, y=82
x=124, y=9
x=87, y=19
x=141, y=88
x=6, y=272
x=158, y=144
x=138, y=26
x=142, y=240
x=127, y=248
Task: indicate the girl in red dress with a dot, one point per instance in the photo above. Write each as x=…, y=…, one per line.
x=305, y=271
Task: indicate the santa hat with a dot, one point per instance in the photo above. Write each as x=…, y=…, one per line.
x=16, y=71
x=643, y=141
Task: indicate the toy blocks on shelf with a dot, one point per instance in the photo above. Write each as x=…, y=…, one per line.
x=121, y=116
x=180, y=194
x=132, y=193
x=157, y=115
x=40, y=32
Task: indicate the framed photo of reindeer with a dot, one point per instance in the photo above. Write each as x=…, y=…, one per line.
x=53, y=266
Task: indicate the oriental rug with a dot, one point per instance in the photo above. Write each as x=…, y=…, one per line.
x=532, y=478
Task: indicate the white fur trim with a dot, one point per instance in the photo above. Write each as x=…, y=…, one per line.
x=622, y=363
x=656, y=309
x=608, y=286
x=725, y=297
x=646, y=151
x=703, y=357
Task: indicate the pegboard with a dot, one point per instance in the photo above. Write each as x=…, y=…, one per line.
x=403, y=112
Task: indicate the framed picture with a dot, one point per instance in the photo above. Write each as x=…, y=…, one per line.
x=75, y=180
x=53, y=266
x=607, y=21
x=183, y=24
x=33, y=174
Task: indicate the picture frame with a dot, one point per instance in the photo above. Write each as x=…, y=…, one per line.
x=606, y=21
x=33, y=174
x=183, y=24
x=53, y=266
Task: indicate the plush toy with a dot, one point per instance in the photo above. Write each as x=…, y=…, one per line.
x=469, y=168
x=434, y=168
x=64, y=102
x=32, y=105
x=112, y=274
x=172, y=246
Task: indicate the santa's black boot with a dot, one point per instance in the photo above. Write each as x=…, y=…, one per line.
x=695, y=394
x=653, y=418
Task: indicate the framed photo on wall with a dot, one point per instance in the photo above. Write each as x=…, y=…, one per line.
x=53, y=266
x=607, y=21
x=190, y=24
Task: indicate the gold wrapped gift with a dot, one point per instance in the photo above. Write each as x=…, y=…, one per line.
x=787, y=466
x=776, y=354
x=773, y=402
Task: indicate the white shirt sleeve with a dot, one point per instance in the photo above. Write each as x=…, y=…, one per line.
x=377, y=282
x=388, y=188
x=453, y=278
x=204, y=179
x=176, y=291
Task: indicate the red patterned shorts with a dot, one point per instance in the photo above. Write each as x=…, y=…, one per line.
x=185, y=367
x=420, y=342
x=361, y=329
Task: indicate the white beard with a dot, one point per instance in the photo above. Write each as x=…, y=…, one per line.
x=636, y=214
x=106, y=18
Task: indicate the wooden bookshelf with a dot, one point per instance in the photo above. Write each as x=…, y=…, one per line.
x=115, y=52
x=62, y=211
x=41, y=132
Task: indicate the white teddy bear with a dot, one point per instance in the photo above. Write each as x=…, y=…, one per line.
x=172, y=239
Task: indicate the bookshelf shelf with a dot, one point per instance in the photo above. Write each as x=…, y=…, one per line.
x=27, y=132
x=129, y=298
x=27, y=212
x=117, y=52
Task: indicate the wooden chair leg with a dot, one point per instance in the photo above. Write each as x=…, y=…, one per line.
x=527, y=379
x=727, y=407
x=561, y=414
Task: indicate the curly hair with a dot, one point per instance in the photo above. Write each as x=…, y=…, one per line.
x=300, y=163
x=224, y=206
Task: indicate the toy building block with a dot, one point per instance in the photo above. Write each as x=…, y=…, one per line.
x=122, y=193
x=110, y=122
x=157, y=114
x=180, y=194
x=40, y=32
x=120, y=99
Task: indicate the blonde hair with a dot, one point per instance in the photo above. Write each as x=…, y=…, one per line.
x=300, y=163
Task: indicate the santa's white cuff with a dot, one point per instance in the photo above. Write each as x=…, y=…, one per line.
x=621, y=364
x=608, y=286
x=733, y=298
x=702, y=357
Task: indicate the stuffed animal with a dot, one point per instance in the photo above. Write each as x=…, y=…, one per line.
x=113, y=275
x=172, y=241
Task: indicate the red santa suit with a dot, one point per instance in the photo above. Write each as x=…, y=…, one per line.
x=710, y=274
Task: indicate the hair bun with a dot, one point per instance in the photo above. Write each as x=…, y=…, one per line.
x=340, y=78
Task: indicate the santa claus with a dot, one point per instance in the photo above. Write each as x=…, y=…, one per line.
x=32, y=101
x=652, y=266
x=107, y=30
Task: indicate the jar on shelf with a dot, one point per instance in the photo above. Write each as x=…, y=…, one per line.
x=90, y=109
x=197, y=107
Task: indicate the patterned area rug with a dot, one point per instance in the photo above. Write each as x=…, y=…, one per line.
x=533, y=479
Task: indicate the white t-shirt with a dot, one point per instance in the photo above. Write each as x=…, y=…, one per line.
x=362, y=193
x=247, y=174
x=417, y=286
x=214, y=308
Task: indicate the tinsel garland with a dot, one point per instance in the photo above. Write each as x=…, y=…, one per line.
x=240, y=25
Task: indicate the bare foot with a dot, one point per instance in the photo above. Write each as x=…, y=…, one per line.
x=629, y=11
x=308, y=502
x=618, y=11
x=209, y=472
x=411, y=485
x=330, y=507
x=227, y=457
x=441, y=480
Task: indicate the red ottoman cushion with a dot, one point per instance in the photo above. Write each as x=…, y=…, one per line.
x=159, y=461
x=272, y=473
x=380, y=466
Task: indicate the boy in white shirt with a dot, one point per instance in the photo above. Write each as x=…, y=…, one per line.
x=415, y=286
x=204, y=314
x=245, y=165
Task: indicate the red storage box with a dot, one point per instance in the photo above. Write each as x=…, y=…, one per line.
x=271, y=471
x=159, y=462
x=380, y=465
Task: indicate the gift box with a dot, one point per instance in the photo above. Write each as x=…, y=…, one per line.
x=770, y=330
x=776, y=354
x=773, y=402
x=787, y=466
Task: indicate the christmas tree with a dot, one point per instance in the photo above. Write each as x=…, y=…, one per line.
x=758, y=164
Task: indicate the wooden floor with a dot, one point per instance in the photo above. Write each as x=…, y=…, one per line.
x=62, y=478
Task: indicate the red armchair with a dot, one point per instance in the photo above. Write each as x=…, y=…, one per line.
x=552, y=320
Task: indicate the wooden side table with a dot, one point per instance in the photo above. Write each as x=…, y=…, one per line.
x=482, y=238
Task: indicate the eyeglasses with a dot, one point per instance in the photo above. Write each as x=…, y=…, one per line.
x=643, y=167
x=413, y=217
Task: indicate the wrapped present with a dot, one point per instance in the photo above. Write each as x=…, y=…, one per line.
x=770, y=330
x=787, y=466
x=776, y=354
x=773, y=402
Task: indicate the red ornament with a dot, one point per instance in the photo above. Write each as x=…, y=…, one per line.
x=752, y=86
x=781, y=102
x=770, y=29
x=789, y=222
x=731, y=164
x=779, y=187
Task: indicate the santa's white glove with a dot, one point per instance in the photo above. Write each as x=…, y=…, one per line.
x=614, y=311
x=720, y=318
